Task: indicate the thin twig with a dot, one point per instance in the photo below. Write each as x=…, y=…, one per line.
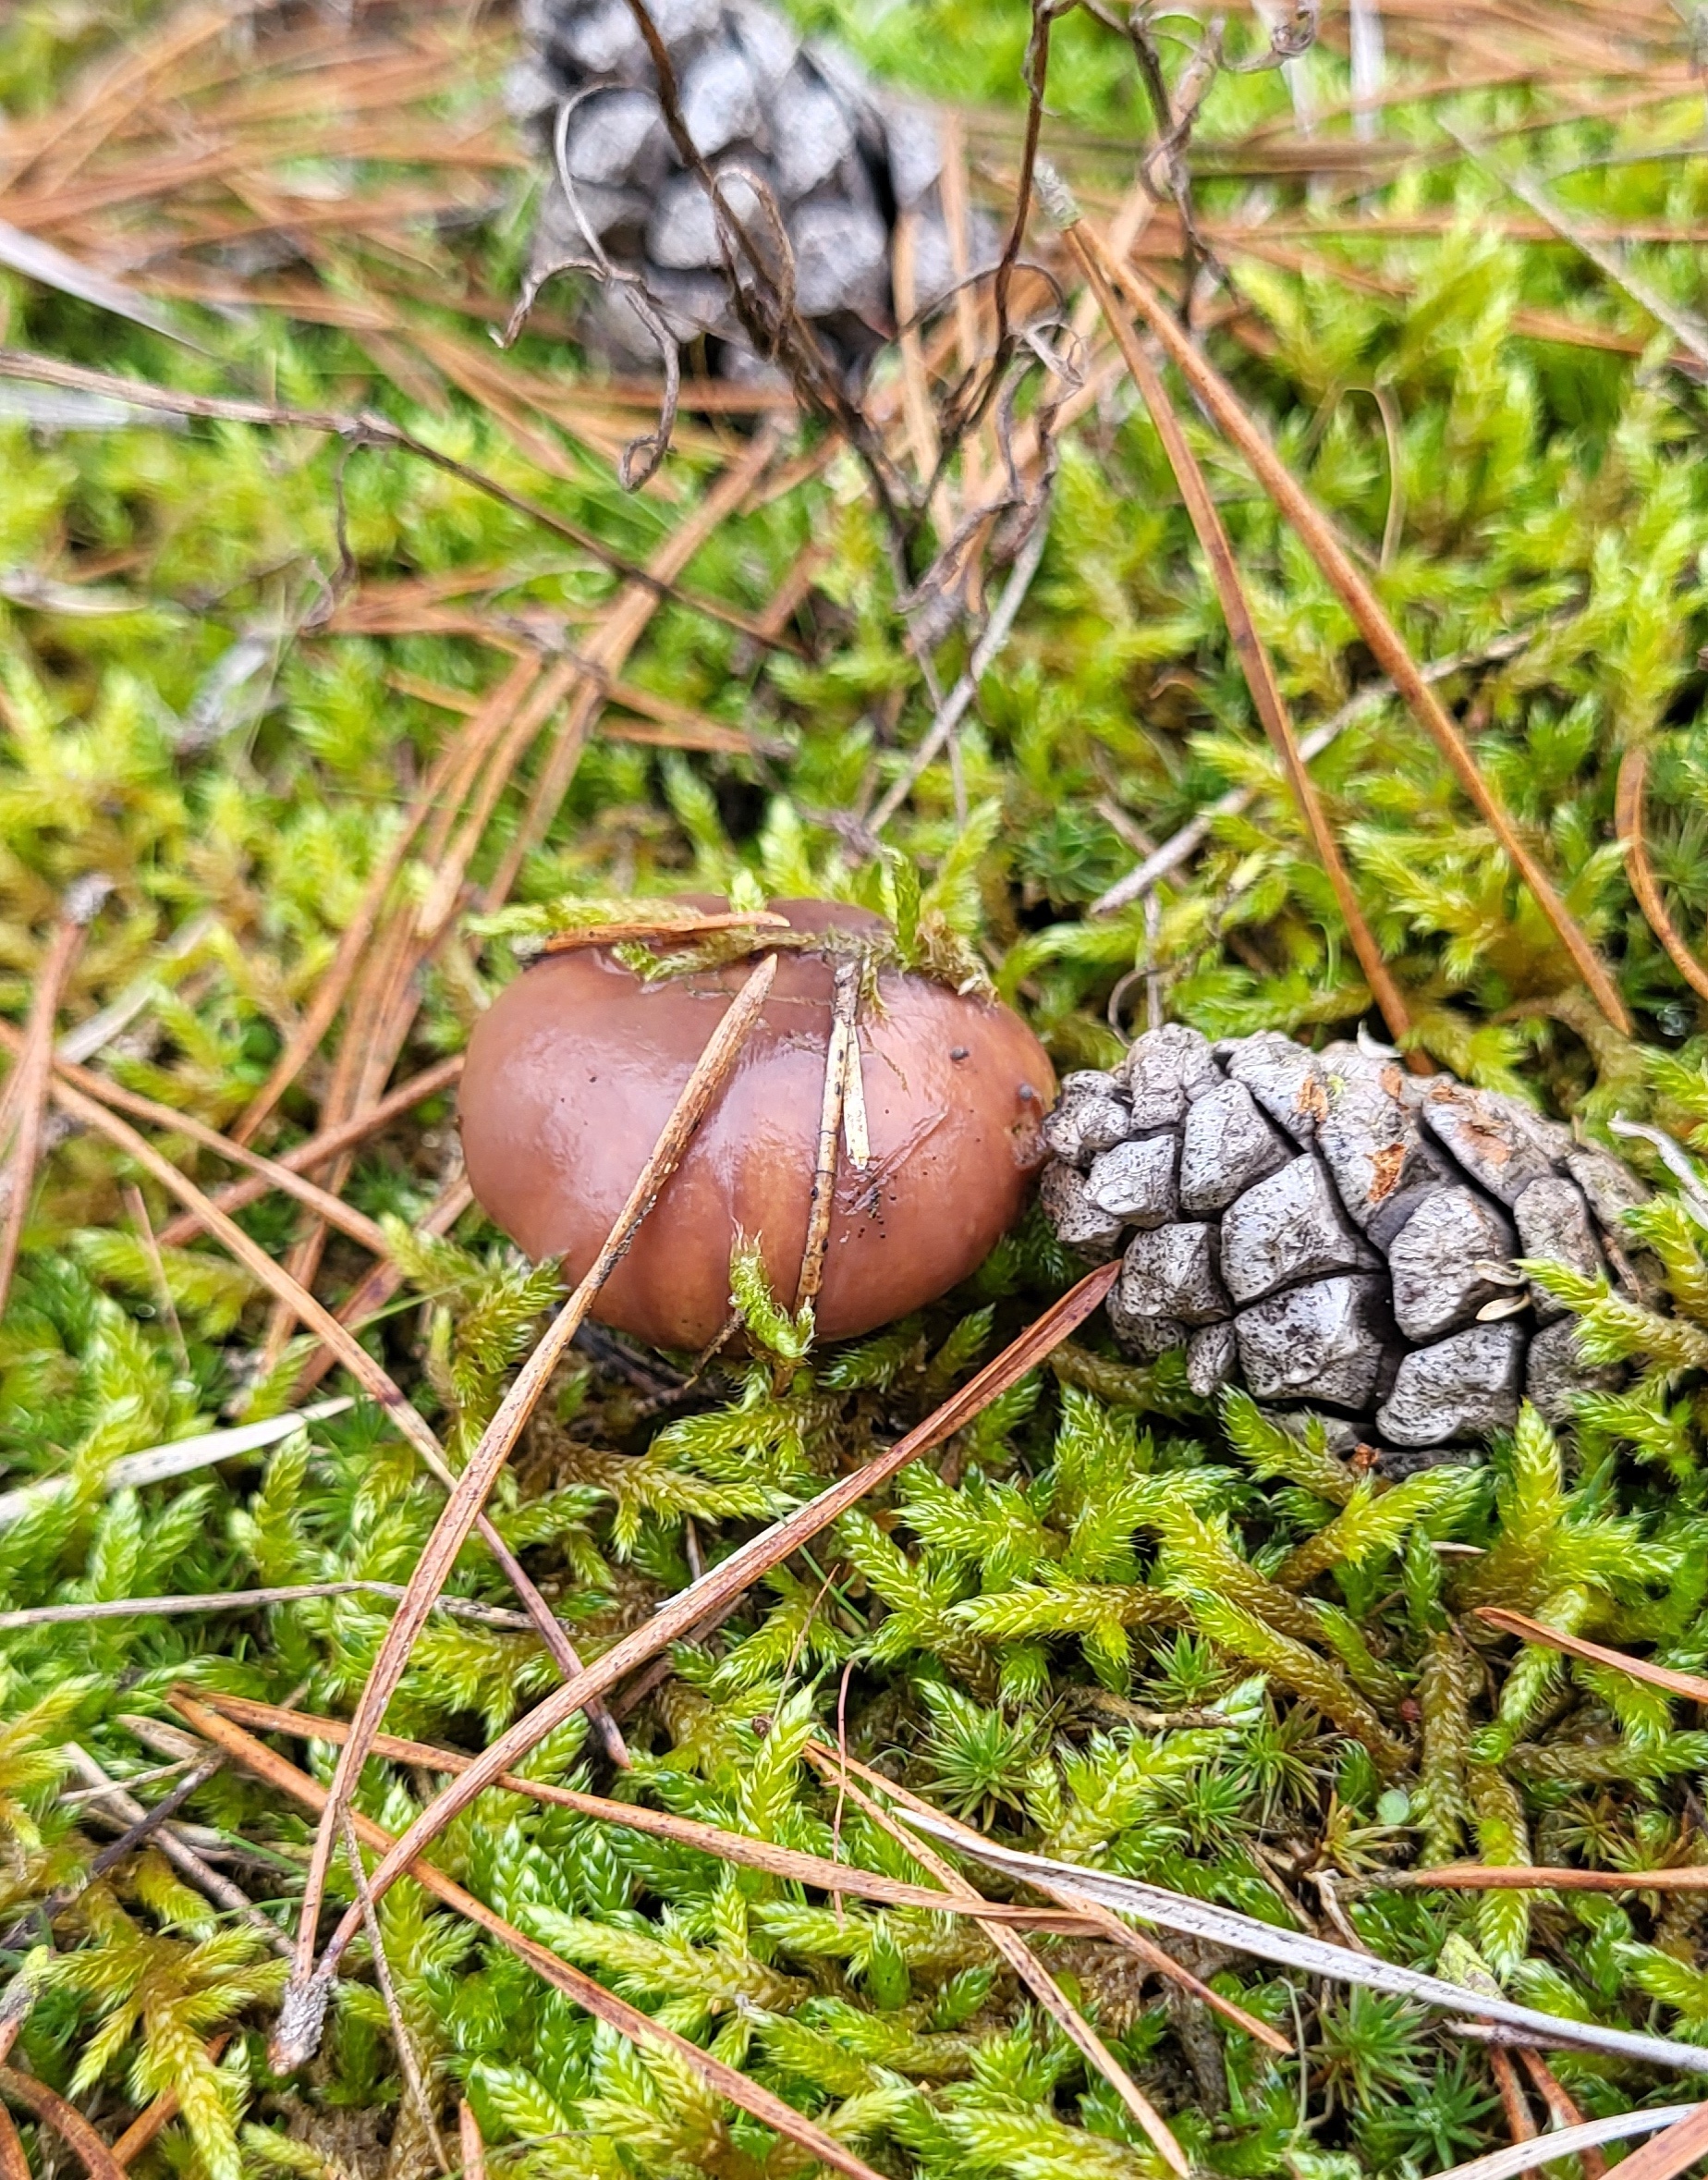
x=744, y=1566
x=183, y=1857
x=842, y=1039
x=369, y=430
x=402, y=2042
x=955, y=704
x=628, y=2021
x=480, y=1471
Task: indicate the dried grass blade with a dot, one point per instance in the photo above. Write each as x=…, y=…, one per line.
x=1248, y=645
x=719, y=1586
x=1029, y=1970
x=1692, y=1686
x=1528, y=2157
x=66, y=2122
x=1628, y=825
x=1312, y=1956
x=683, y=1832
x=1384, y=639
x=1674, y=2151
x=837, y=1761
x=628, y=2021
x=305, y=2002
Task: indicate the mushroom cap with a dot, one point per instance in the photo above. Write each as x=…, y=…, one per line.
x=573, y=1072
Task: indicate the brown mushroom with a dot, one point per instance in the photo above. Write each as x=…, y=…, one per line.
x=572, y=1073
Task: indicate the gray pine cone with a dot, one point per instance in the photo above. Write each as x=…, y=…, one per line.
x=838, y=158
x=1335, y=1233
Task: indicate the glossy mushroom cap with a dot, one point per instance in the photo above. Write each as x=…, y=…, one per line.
x=572, y=1073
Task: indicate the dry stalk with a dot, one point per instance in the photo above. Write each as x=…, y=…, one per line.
x=841, y=1055
x=714, y=1590
x=628, y=2021
x=305, y=2002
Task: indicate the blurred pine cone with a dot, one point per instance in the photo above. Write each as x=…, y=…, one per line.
x=841, y=160
x=1336, y=1234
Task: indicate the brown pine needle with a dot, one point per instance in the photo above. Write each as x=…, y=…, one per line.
x=1665, y=2156
x=304, y=1156
x=1249, y=648
x=268, y=1173
x=480, y=1472
x=28, y=1090
x=52, y=2111
x=1692, y=1686
x=1532, y=1877
x=470, y=2143
x=333, y=987
x=684, y=1832
x=1386, y=642
x=744, y=1566
x=841, y=1050
x=604, y=2005
x=835, y=1762
x=1028, y=1969
x=1629, y=825
x=14, y=2164
x=374, y=1380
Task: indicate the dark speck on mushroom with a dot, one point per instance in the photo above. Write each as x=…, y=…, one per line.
x=957, y=1052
